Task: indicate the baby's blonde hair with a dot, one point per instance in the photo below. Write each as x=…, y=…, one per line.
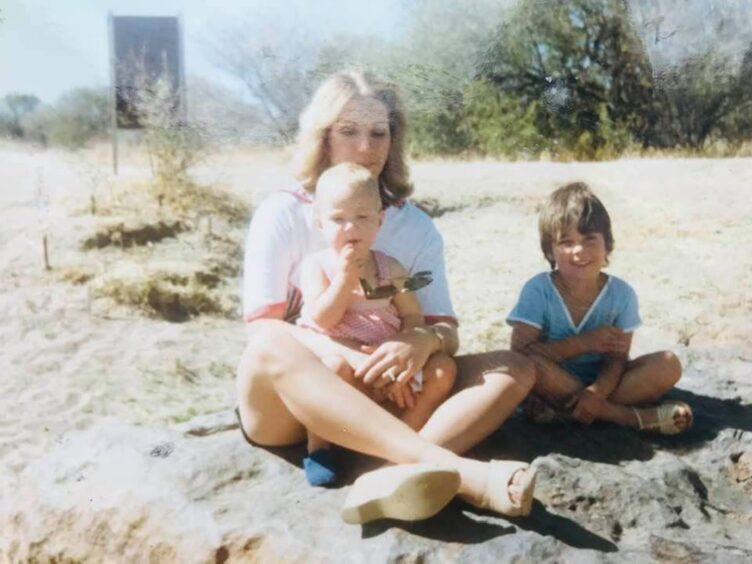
x=349, y=176
x=311, y=158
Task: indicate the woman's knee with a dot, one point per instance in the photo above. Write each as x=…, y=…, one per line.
x=522, y=369
x=262, y=354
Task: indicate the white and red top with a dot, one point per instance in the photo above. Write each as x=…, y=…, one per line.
x=282, y=233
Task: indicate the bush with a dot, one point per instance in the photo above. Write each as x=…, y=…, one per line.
x=80, y=116
x=499, y=125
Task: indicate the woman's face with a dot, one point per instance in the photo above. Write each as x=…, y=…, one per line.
x=361, y=135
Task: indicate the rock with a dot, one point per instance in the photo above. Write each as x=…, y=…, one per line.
x=199, y=493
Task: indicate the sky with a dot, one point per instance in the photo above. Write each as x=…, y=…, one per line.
x=48, y=47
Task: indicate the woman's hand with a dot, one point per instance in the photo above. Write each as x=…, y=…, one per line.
x=398, y=359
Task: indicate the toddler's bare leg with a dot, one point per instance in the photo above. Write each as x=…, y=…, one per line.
x=439, y=374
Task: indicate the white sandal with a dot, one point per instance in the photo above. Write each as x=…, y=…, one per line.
x=496, y=495
x=409, y=492
x=665, y=423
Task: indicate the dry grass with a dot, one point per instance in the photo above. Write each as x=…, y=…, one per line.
x=175, y=292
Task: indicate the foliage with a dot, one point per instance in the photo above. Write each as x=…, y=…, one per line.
x=18, y=106
x=580, y=65
x=273, y=58
x=174, y=144
x=79, y=116
x=700, y=98
x=499, y=124
x=438, y=129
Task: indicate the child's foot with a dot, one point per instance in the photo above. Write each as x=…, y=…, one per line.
x=669, y=418
x=320, y=467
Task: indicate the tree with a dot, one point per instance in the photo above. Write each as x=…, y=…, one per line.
x=695, y=98
x=78, y=116
x=273, y=56
x=582, y=66
x=696, y=54
x=19, y=105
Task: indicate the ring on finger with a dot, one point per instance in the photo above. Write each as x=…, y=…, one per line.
x=392, y=373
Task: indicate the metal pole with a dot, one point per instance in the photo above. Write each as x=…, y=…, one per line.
x=181, y=71
x=113, y=93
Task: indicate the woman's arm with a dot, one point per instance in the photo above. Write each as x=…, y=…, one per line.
x=407, y=304
x=267, y=262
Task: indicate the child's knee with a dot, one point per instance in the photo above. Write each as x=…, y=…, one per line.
x=672, y=367
x=440, y=373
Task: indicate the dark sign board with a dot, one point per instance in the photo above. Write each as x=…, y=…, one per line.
x=144, y=51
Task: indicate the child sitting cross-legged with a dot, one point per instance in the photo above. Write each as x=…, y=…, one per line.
x=576, y=322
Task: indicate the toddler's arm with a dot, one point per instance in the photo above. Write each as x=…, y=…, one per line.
x=326, y=301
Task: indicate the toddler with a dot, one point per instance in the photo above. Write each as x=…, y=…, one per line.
x=360, y=296
x=576, y=322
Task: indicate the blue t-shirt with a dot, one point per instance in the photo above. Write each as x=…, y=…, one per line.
x=542, y=306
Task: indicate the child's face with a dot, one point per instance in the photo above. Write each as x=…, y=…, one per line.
x=579, y=256
x=350, y=218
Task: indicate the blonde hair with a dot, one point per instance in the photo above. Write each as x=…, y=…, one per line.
x=351, y=176
x=573, y=205
x=317, y=118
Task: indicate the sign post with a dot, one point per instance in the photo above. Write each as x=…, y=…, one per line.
x=143, y=51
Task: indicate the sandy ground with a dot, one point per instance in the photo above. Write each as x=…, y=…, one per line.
x=683, y=238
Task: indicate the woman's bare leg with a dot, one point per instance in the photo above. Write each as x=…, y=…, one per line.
x=489, y=388
x=303, y=392
x=339, y=366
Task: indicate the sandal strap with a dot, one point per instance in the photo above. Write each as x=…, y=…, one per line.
x=639, y=419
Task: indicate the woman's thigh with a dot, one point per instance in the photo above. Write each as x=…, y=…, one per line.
x=473, y=369
x=265, y=418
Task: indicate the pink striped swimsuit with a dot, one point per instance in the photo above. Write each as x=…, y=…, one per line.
x=369, y=322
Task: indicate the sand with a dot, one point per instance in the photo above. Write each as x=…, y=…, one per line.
x=68, y=359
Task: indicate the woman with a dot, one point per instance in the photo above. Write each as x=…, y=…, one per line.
x=283, y=388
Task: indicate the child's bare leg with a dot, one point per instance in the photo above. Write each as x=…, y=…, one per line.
x=553, y=383
x=439, y=374
x=646, y=379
